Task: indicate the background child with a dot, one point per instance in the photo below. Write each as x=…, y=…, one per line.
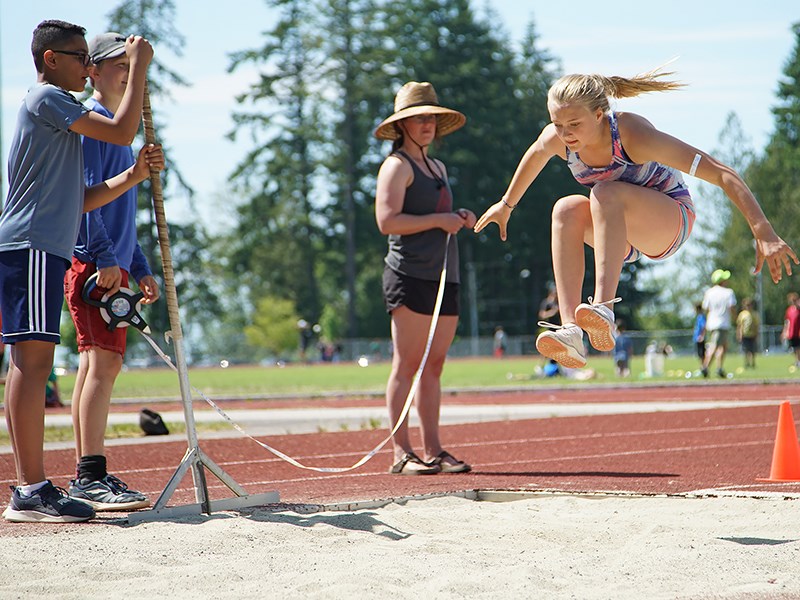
x=499, y=342
x=623, y=350
x=791, y=325
x=52, y=395
x=747, y=327
x=38, y=228
x=699, y=332
x=719, y=302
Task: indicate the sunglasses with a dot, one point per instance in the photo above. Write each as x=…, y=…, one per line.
x=83, y=57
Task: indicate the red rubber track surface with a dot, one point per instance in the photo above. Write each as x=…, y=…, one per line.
x=723, y=449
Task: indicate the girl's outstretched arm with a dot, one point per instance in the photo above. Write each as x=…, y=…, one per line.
x=529, y=167
x=643, y=142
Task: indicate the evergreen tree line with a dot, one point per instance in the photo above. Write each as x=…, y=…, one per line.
x=305, y=244
x=306, y=234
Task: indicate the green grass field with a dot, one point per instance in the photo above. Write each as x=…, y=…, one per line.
x=459, y=373
x=318, y=379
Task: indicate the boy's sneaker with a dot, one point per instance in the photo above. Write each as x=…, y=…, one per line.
x=48, y=504
x=597, y=320
x=107, y=494
x=564, y=344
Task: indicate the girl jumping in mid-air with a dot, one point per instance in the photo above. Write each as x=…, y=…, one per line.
x=638, y=203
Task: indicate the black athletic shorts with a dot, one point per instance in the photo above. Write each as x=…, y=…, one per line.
x=418, y=295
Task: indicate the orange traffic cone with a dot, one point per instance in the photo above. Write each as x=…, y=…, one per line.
x=786, y=455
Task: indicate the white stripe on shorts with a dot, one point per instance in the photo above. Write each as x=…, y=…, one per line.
x=37, y=263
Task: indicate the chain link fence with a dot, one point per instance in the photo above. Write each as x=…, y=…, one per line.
x=680, y=340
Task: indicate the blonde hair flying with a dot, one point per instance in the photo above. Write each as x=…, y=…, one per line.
x=593, y=91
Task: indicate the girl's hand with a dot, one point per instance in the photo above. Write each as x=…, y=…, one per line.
x=468, y=216
x=778, y=256
x=498, y=213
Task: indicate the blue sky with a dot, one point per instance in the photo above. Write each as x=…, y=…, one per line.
x=731, y=59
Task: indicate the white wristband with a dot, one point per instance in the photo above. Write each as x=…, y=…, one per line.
x=695, y=162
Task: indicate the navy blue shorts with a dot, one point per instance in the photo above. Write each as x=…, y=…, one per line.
x=31, y=295
x=418, y=295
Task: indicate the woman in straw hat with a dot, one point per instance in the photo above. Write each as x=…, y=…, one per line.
x=638, y=203
x=414, y=207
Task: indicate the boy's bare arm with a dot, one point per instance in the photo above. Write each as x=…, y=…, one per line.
x=123, y=127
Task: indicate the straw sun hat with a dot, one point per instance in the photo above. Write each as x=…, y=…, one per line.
x=419, y=99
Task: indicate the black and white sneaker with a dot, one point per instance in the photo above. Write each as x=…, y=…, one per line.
x=48, y=504
x=107, y=494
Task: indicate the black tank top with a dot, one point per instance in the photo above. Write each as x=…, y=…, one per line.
x=421, y=255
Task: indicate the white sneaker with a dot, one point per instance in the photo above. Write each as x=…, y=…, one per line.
x=597, y=320
x=564, y=344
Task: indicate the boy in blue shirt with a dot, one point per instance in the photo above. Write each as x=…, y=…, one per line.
x=38, y=228
x=623, y=350
x=107, y=245
x=699, y=332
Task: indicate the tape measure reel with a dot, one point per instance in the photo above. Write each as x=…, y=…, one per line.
x=119, y=309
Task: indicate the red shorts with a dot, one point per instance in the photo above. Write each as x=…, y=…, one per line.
x=92, y=330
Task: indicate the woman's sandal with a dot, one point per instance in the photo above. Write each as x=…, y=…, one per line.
x=399, y=468
x=458, y=467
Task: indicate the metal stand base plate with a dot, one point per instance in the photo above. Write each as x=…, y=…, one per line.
x=189, y=510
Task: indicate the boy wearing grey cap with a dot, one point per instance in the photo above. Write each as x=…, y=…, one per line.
x=107, y=245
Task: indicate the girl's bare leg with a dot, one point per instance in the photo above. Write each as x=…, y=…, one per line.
x=623, y=214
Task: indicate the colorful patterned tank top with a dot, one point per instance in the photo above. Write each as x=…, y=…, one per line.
x=622, y=168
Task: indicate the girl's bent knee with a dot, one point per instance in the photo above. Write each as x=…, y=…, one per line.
x=605, y=192
x=570, y=210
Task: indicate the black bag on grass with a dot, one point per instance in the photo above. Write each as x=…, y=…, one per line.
x=152, y=423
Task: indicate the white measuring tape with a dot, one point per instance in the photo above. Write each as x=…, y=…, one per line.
x=411, y=393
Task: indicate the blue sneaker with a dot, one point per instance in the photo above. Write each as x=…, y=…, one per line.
x=48, y=504
x=108, y=493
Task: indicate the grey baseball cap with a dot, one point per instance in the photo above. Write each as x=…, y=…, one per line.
x=106, y=45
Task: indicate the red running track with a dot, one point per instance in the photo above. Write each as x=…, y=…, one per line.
x=723, y=449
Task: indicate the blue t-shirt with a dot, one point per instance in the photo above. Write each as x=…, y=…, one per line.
x=107, y=235
x=623, y=347
x=699, y=327
x=45, y=175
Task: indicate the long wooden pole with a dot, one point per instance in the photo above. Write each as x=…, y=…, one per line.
x=194, y=459
x=176, y=332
